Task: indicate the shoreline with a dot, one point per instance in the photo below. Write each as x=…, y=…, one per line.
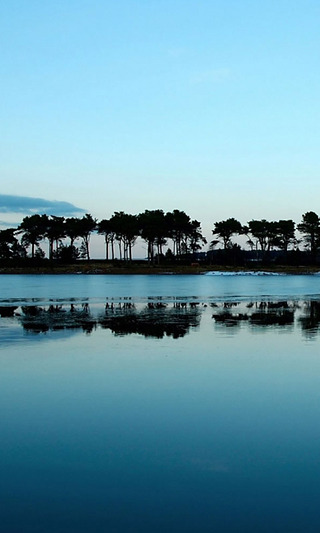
x=98, y=268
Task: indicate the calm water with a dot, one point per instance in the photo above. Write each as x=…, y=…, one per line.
x=159, y=404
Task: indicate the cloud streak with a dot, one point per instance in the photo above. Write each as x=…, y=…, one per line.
x=29, y=206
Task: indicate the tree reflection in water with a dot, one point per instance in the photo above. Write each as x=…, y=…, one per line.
x=37, y=319
x=259, y=314
x=310, y=321
x=7, y=311
x=158, y=319
x=153, y=321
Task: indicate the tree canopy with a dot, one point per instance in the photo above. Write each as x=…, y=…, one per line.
x=225, y=229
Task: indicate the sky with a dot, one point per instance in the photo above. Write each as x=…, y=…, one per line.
x=207, y=106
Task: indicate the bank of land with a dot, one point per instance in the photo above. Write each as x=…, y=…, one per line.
x=99, y=267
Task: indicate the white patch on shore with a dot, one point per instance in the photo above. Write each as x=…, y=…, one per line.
x=243, y=273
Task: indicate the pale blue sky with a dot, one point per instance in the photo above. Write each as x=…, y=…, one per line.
x=202, y=105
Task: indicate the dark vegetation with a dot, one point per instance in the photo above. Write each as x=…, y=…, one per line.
x=171, y=239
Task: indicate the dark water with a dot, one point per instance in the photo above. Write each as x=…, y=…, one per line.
x=159, y=405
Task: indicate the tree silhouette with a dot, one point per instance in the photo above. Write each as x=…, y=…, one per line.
x=87, y=224
x=33, y=229
x=179, y=227
x=106, y=228
x=310, y=228
x=8, y=243
x=72, y=229
x=285, y=236
x=225, y=229
x=55, y=231
x=153, y=230
x=195, y=237
x=126, y=230
x=264, y=232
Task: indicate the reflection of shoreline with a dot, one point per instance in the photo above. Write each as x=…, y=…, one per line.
x=158, y=319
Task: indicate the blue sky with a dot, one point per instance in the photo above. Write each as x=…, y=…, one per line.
x=207, y=106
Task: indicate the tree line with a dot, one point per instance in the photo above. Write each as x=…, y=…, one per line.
x=121, y=230
x=69, y=238
x=269, y=235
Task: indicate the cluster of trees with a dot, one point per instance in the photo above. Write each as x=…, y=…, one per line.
x=154, y=227
x=260, y=233
x=33, y=229
x=269, y=235
x=69, y=238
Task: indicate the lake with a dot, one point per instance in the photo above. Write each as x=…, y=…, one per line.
x=160, y=403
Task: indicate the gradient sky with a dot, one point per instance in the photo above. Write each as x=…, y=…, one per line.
x=207, y=106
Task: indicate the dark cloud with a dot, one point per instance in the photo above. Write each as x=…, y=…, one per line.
x=30, y=206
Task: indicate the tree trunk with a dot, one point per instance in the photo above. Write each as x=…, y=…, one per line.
x=87, y=248
x=107, y=249
x=50, y=249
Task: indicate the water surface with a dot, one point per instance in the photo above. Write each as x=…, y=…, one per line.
x=159, y=403
x=212, y=287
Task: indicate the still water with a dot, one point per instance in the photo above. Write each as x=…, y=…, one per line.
x=159, y=404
